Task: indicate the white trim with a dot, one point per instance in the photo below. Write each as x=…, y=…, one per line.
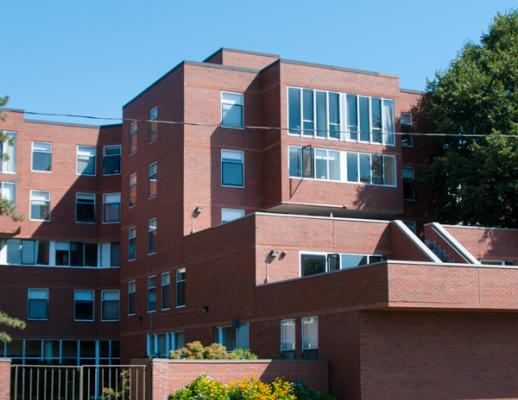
x=104, y=203
x=242, y=165
x=242, y=110
x=120, y=158
x=95, y=208
x=455, y=244
x=413, y=237
x=30, y=205
x=32, y=157
x=476, y=227
x=95, y=156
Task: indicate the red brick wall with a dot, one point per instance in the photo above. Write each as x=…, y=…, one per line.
x=432, y=356
x=168, y=376
x=431, y=234
x=5, y=378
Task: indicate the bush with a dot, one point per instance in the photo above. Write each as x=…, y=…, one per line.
x=206, y=388
x=196, y=351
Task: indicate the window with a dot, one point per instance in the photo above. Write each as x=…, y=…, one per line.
x=40, y=205
x=334, y=115
x=151, y=229
x=85, y=207
x=115, y=254
x=309, y=337
x=327, y=164
x=132, y=243
x=8, y=153
x=352, y=167
x=352, y=117
x=83, y=305
x=166, y=291
x=226, y=336
x=232, y=168
x=161, y=344
x=151, y=294
x=501, y=263
x=8, y=191
x=364, y=119
x=110, y=305
x=180, y=287
x=355, y=260
x=132, y=290
x=41, y=156
x=312, y=264
x=408, y=184
x=21, y=252
x=76, y=254
x=133, y=189
x=232, y=110
x=86, y=160
x=405, y=122
x=318, y=263
x=365, y=167
x=112, y=160
x=133, y=137
x=376, y=136
x=230, y=214
x=288, y=338
x=111, y=208
x=38, y=304
x=302, y=162
x=389, y=131
x=153, y=125
x=153, y=179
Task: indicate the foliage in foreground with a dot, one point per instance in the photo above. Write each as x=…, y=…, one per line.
x=196, y=351
x=205, y=388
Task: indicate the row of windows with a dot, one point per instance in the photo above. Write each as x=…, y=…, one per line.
x=319, y=263
x=309, y=339
x=61, y=352
x=152, y=131
x=165, y=292
x=85, y=205
x=59, y=253
x=341, y=116
x=342, y=166
x=84, y=308
x=159, y=345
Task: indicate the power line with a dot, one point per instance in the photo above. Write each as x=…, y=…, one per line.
x=257, y=127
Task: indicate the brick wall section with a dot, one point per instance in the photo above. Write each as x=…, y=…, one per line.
x=5, y=378
x=436, y=356
x=169, y=376
x=403, y=248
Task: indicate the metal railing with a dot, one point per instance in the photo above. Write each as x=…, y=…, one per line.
x=87, y=382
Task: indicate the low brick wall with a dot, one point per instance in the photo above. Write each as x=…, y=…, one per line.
x=5, y=378
x=166, y=376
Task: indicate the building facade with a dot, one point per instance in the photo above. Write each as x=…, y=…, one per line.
x=257, y=202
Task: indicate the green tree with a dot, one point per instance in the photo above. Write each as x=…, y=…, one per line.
x=7, y=208
x=474, y=181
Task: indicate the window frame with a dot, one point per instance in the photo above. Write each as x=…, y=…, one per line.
x=78, y=146
x=46, y=152
x=103, y=292
x=242, y=95
x=302, y=336
x=410, y=126
x=162, y=286
x=12, y=135
x=177, y=282
x=134, y=238
x=104, y=205
x=241, y=211
x=7, y=183
x=242, y=167
x=130, y=187
x=153, y=125
x=29, y=304
x=132, y=291
x=94, y=205
x=293, y=323
x=93, y=305
x=152, y=181
x=150, y=229
x=149, y=288
x=133, y=135
x=111, y=155
x=30, y=205
x=408, y=181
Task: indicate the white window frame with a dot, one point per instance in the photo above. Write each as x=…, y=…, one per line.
x=120, y=208
x=28, y=304
x=93, y=303
x=30, y=205
x=162, y=285
x=184, y=280
x=111, y=155
x=242, y=95
x=150, y=229
x=242, y=165
x=103, y=292
x=4, y=184
x=95, y=208
x=132, y=289
x=132, y=229
x=292, y=322
x=241, y=211
x=32, y=157
x=302, y=333
x=95, y=156
x=147, y=294
x=4, y=163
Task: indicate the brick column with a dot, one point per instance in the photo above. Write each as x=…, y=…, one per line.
x=5, y=378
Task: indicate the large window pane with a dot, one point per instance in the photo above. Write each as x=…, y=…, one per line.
x=308, y=112
x=86, y=160
x=376, y=119
x=352, y=117
x=312, y=264
x=84, y=305
x=389, y=170
x=309, y=333
x=85, y=207
x=288, y=335
x=232, y=110
x=110, y=305
x=334, y=165
x=8, y=191
x=166, y=291
x=181, y=278
x=111, y=207
x=334, y=115
x=352, y=167
x=294, y=110
x=115, y=254
x=377, y=169
x=38, y=303
x=321, y=164
x=8, y=153
x=151, y=294
x=308, y=167
x=364, y=119
x=365, y=168
x=389, y=136
x=40, y=205
x=321, y=114
x=41, y=156
x=352, y=260
x=232, y=168
x=112, y=160
x=295, y=167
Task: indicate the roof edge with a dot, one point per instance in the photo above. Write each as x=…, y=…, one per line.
x=233, y=50
x=337, y=68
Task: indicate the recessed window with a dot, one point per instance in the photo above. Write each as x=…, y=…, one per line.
x=232, y=110
x=166, y=291
x=180, y=287
x=110, y=300
x=8, y=191
x=153, y=125
x=309, y=337
x=132, y=189
x=151, y=294
x=152, y=226
x=85, y=207
x=153, y=179
x=86, y=160
x=232, y=168
x=288, y=338
x=132, y=243
x=405, y=122
x=38, y=304
x=111, y=208
x=133, y=137
x=41, y=156
x=132, y=290
x=40, y=205
x=230, y=214
x=8, y=153
x=409, y=190
x=112, y=160
x=84, y=305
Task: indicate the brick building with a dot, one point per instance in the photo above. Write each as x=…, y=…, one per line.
x=271, y=219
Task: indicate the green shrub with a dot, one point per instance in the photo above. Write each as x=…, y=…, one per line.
x=196, y=351
x=206, y=388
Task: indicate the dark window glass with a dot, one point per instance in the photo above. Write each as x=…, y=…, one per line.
x=377, y=169
x=365, y=168
x=84, y=305
x=115, y=254
x=112, y=160
x=85, y=207
x=313, y=264
x=334, y=115
x=333, y=262
x=90, y=254
x=180, y=287
x=376, y=120
x=294, y=110
x=76, y=254
x=352, y=167
x=321, y=114
x=308, y=112
x=295, y=162
x=43, y=252
x=364, y=119
x=308, y=162
x=352, y=117
x=41, y=156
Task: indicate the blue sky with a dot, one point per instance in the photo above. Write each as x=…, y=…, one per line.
x=91, y=57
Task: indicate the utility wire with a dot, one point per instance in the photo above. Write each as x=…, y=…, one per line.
x=258, y=127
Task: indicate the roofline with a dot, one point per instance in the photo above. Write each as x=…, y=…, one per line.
x=18, y=110
x=37, y=121
x=232, y=50
x=414, y=91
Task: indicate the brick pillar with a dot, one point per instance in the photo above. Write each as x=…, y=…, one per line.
x=5, y=378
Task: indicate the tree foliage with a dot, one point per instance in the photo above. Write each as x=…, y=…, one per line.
x=474, y=181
